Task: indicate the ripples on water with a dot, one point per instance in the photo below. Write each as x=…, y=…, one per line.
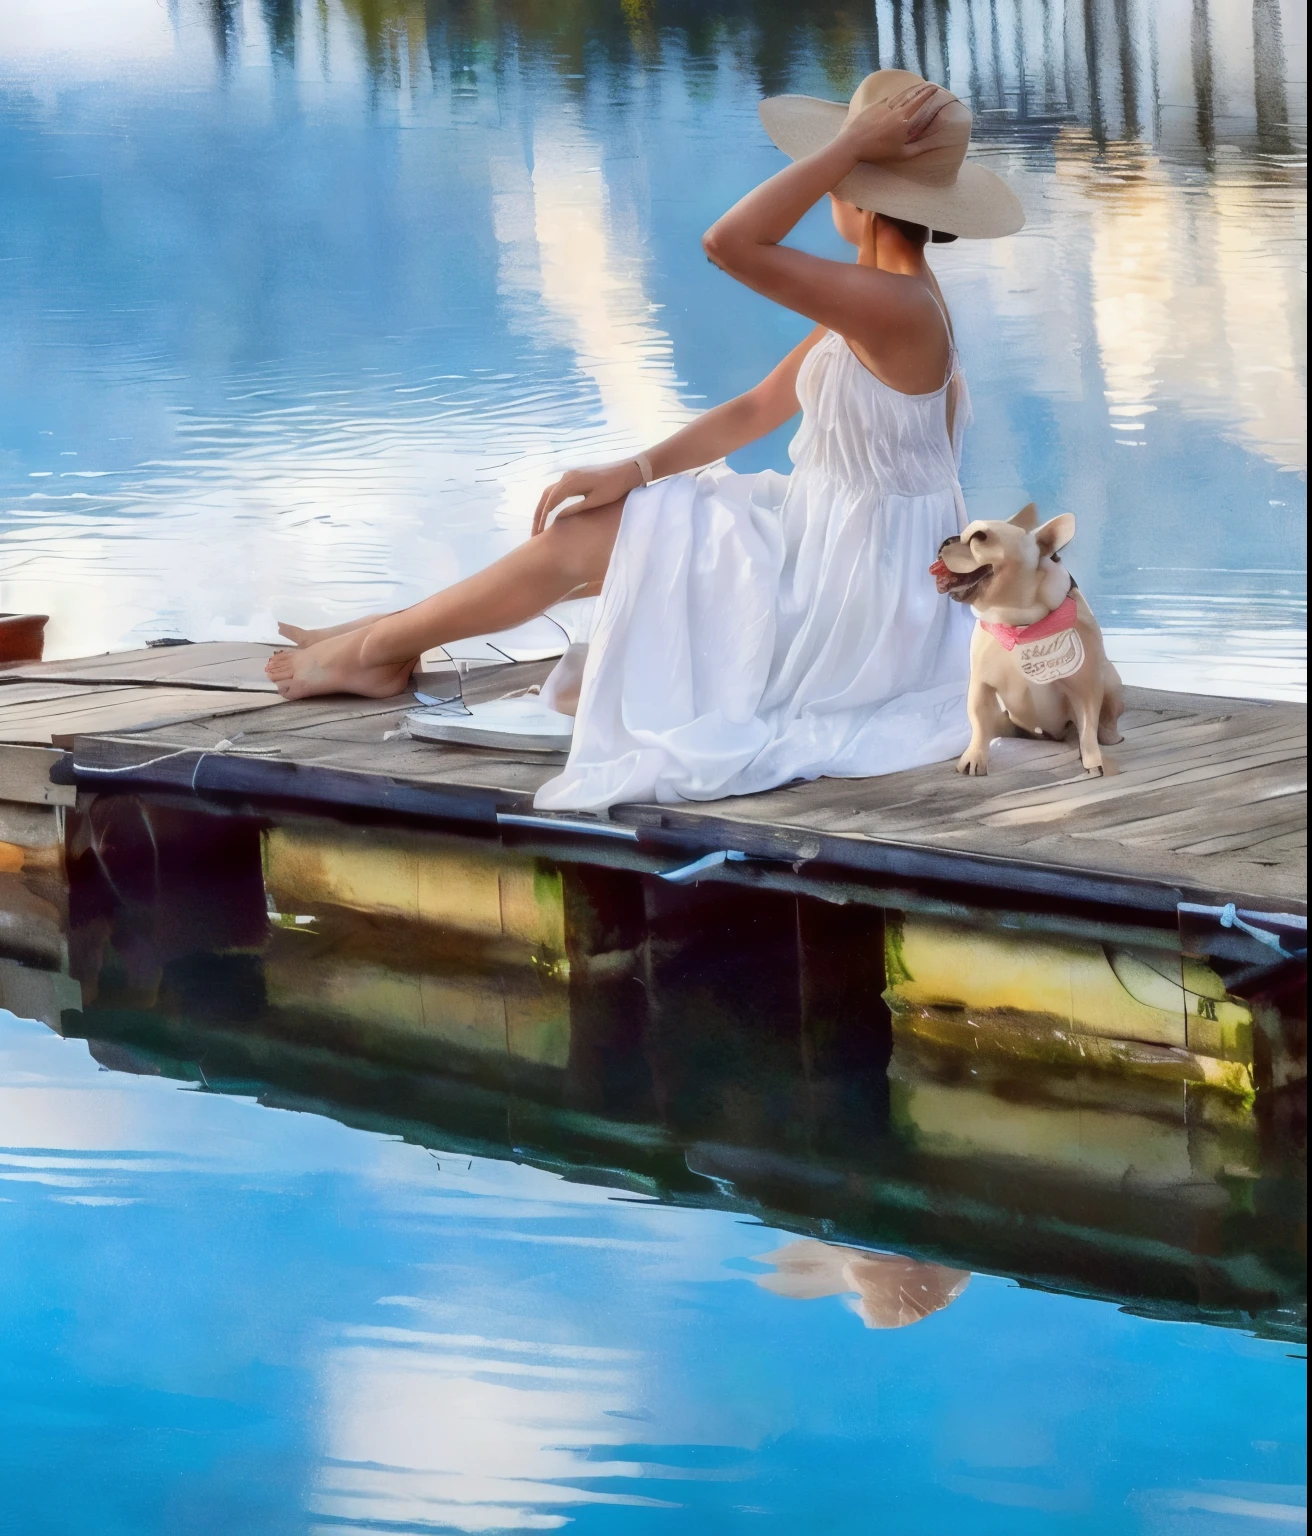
x=302, y=303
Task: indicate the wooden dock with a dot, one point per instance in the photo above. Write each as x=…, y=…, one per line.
x=1209, y=806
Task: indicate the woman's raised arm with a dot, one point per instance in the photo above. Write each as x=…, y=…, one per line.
x=713, y=435
x=857, y=301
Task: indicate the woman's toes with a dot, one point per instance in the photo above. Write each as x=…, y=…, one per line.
x=293, y=632
x=278, y=667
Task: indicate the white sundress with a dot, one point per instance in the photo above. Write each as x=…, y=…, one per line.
x=755, y=629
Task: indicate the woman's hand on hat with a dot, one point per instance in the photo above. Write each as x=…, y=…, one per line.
x=598, y=485
x=895, y=129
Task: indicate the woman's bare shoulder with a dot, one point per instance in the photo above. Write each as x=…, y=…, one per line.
x=903, y=337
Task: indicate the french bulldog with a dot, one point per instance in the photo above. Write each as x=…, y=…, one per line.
x=1037, y=661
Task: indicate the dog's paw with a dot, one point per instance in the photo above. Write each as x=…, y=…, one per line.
x=974, y=761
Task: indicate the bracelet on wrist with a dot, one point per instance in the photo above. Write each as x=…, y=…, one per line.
x=644, y=468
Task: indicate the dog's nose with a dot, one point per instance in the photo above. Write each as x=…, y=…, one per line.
x=955, y=539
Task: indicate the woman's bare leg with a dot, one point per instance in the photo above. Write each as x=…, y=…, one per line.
x=377, y=660
x=299, y=635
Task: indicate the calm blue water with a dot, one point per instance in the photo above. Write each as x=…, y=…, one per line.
x=300, y=304
x=225, y=1318
x=302, y=301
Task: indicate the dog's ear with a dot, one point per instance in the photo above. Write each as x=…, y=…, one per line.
x=1027, y=518
x=1055, y=534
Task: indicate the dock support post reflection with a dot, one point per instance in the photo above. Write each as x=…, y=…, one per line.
x=605, y=922
x=720, y=971
x=847, y=1031
x=154, y=883
x=766, y=1016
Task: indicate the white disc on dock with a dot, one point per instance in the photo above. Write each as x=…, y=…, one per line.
x=523, y=724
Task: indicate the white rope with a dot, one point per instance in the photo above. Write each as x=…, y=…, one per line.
x=219, y=748
x=688, y=872
x=1230, y=916
x=130, y=767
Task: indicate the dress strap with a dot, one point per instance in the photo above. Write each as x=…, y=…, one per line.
x=952, y=340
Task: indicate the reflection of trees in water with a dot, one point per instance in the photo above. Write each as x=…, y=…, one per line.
x=1129, y=67
x=280, y=23
x=1025, y=65
x=393, y=35
x=223, y=16
x=1200, y=39
x=1091, y=51
x=1270, y=96
x=770, y=36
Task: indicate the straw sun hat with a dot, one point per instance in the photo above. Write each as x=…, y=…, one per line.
x=939, y=188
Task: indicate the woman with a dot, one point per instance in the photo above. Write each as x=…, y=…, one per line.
x=755, y=629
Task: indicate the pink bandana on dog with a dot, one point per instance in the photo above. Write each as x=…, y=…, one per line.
x=1047, y=651
x=1009, y=636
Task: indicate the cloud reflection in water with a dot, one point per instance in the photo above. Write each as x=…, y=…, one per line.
x=472, y=1434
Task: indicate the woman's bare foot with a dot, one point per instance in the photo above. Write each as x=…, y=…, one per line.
x=307, y=637
x=334, y=666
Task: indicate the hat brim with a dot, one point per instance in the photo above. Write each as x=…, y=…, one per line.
x=977, y=206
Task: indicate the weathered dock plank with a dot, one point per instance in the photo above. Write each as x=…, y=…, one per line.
x=1236, y=774
x=60, y=712
x=1210, y=800
x=214, y=664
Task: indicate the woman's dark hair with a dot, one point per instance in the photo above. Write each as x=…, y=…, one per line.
x=918, y=233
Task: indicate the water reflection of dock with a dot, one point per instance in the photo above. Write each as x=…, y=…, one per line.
x=761, y=1050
